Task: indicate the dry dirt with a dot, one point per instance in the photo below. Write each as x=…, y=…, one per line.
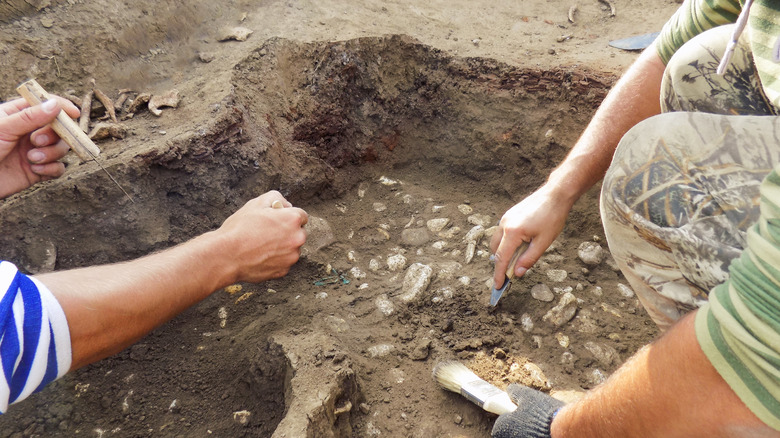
x=374, y=117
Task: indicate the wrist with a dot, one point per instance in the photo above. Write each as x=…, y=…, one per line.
x=214, y=256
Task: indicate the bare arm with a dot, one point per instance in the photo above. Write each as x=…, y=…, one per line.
x=110, y=307
x=668, y=389
x=540, y=217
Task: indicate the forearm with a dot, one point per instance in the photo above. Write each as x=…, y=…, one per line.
x=635, y=97
x=668, y=389
x=115, y=305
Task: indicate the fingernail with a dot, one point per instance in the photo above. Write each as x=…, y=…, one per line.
x=519, y=272
x=49, y=105
x=36, y=156
x=42, y=139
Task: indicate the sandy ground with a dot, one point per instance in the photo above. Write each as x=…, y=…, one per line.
x=382, y=139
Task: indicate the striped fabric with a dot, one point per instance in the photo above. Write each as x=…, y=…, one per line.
x=763, y=33
x=35, y=340
x=739, y=329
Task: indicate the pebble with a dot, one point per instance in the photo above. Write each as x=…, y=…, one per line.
x=321, y=295
x=470, y=248
x=357, y=273
x=449, y=233
x=448, y=270
x=380, y=350
x=605, y=354
x=384, y=305
x=562, y=339
x=379, y=207
x=415, y=236
x=396, y=262
x=465, y=209
x=206, y=57
x=480, y=219
x=236, y=33
x=416, y=281
x=437, y=208
x=596, y=377
x=538, y=378
x=439, y=244
x=475, y=234
x=362, y=189
x=542, y=292
x=351, y=257
x=625, y=291
x=385, y=181
x=563, y=312
x=438, y=224
x=526, y=323
x=557, y=275
x=465, y=280
x=242, y=417
x=374, y=265
x=364, y=408
x=597, y=291
x=591, y=253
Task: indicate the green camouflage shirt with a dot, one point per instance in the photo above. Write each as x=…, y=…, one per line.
x=762, y=31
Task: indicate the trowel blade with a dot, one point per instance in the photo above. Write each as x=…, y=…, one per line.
x=637, y=42
x=496, y=294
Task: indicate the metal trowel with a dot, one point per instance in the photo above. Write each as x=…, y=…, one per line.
x=496, y=294
x=637, y=42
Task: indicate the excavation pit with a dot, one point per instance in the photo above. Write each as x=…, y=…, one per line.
x=397, y=151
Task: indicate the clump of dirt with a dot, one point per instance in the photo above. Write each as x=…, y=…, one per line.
x=407, y=157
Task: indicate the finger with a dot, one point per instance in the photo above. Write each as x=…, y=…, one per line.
x=303, y=216
x=16, y=105
x=29, y=119
x=49, y=170
x=48, y=154
x=503, y=256
x=496, y=239
x=44, y=136
x=529, y=257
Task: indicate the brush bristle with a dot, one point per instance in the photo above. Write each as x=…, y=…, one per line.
x=451, y=375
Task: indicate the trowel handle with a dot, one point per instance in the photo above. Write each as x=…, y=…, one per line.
x=510, y=270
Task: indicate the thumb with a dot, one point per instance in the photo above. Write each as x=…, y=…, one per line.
x=28, y=120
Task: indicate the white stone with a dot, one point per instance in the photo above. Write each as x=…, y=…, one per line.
x=475, y=234
x=465, y=280
x=321, y=295
x=438, y=224
x=625, y=290
x=351, y=256
x=437, y=208
x=480, y=219
x=591, y=253
x=542, y=292
x=439, y=244
x=563, y=312
x=384, y=305
x=470, y=247
x=526, y=322
x=416, y=281
x=374, y=265
x=357, y=273
x=380, y=350
x=387, y=181
x=379, y=207
x=449, y=233
x=396, y=262
x=557, y=275
x=465, y=209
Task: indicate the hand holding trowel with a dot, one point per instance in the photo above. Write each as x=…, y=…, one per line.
x=497, y=293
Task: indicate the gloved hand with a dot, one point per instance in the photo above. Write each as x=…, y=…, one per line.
x=532, y=419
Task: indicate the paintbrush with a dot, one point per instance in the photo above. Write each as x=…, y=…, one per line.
x=456, y=377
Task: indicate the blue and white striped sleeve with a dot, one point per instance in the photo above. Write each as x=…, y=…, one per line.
x=35, y=340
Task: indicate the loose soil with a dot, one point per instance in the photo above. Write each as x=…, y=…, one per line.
x=374, y=118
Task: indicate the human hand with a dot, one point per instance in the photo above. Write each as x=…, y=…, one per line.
x=532, y=418
x=537, y=219
x=29, y=149
x=263, y=242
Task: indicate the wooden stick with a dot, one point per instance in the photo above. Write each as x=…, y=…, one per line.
x=63, y=125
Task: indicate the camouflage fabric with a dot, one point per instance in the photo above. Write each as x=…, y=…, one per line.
x=683, y=186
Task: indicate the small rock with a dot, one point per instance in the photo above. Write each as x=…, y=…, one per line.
x=415, y=236
x=465, y=209
x=437, y=208
x=206, y=57
x=605, y=354
x=480, y=219
x=374, y=265
x=542, y=292
x=364, y=408
x=416, y=281
x=385, y=181
x=236, y=33
x=357, y=273
x=242, y=417
x=448, y=270
x=396, y=262
x=440, y=244
x=625, y=291
x=526, y=323
x=563, y=312
x=438, y=224
x=562, y=339
x=47, y=22
x=557, y=275
x=475, y=234
x=384, y=305
x=470, y=247
x=379, y=207
x=590, y=253
x=380, y=350
x=421, y=350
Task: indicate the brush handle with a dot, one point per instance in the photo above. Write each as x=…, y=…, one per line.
x=499, y=404
x=487, y=396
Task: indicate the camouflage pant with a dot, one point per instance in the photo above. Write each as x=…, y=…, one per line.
x=683, y=186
